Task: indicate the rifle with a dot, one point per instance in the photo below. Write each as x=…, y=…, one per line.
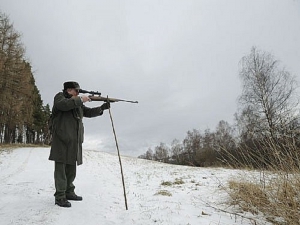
x=96, y=96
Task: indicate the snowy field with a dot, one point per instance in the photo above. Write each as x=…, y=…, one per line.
x=156, y=193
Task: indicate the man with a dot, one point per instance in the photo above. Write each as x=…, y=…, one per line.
x=67, y=137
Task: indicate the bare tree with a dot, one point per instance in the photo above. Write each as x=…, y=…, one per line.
x=162, y=152
x=177, y=150
x=224, y=137
x=192, y=144
x=149, y=154
x=268, y=120
x=268, y=94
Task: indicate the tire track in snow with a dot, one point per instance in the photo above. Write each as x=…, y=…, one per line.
x=18, y=184
x=19, y=168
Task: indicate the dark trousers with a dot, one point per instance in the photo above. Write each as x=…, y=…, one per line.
x=64, y=175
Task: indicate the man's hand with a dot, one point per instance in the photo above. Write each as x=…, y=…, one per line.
x=85, y=98
x=105, y=106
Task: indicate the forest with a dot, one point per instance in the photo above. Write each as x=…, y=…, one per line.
x=23, y=117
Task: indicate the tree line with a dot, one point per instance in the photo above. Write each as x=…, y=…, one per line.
x=197, y=148
x=266, y=125
x=23, y=117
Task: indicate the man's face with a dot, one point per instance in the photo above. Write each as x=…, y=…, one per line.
x=73, y=91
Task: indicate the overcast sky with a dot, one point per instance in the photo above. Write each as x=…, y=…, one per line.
x=178, y=58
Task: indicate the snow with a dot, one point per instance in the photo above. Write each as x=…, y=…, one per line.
x=27, y=188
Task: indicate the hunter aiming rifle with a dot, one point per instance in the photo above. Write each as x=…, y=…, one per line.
x=96, y=96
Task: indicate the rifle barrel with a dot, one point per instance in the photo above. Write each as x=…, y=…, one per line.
x=100, y=98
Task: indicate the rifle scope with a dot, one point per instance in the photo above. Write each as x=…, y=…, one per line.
x=89, y=92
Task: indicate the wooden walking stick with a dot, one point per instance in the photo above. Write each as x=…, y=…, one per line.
x=112, y=124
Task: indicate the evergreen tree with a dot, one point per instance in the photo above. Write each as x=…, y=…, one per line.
x=23, y=117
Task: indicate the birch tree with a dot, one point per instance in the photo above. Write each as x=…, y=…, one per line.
x=269, y=94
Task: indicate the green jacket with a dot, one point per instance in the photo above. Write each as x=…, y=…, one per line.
x=67, y=128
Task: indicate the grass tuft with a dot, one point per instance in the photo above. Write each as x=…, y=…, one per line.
x=164, y=193
x=166, y=183
x=178, y=181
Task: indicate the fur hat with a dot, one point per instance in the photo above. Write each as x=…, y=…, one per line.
x=71, y=84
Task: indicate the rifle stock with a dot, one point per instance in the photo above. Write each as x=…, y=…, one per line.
x=104, y=99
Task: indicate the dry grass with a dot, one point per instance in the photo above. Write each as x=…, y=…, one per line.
x=278, y=200
x=276, y=191
x=169, y=184
x=166, y=183
x=249, y=196
x=164, y=193
x=13, y=146
x=176, y=182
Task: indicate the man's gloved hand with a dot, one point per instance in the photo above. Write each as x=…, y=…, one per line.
x=105, y=106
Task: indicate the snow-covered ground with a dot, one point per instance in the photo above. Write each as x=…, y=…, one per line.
x=188, y=195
